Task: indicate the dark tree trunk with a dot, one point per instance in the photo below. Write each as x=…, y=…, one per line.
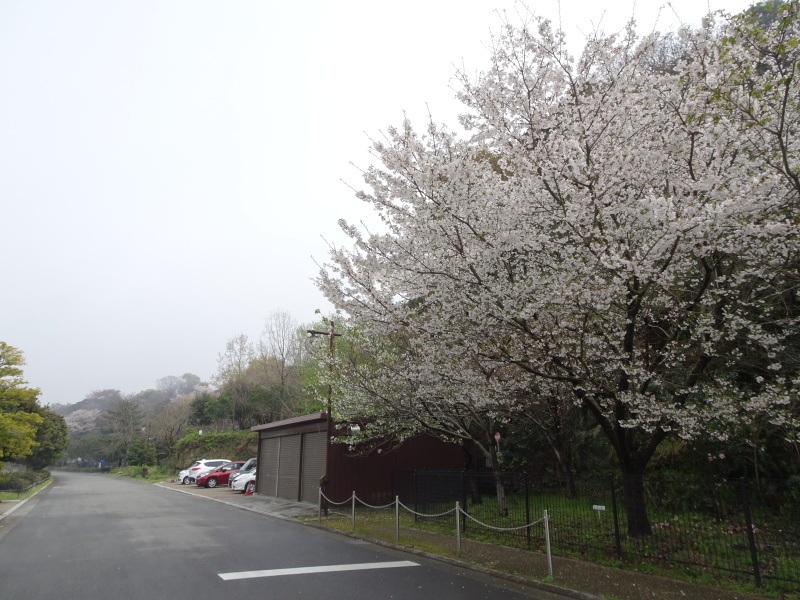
x=633, y=498
x=564, y=466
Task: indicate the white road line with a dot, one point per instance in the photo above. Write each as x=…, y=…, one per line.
x=323, y=569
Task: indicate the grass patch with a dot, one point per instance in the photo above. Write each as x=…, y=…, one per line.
x=14, y=496
x=437, y=536
x=151, y=474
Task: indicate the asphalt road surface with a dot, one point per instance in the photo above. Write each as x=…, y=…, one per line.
x=96, y=537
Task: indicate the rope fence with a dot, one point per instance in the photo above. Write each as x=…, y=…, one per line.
x=353, y=499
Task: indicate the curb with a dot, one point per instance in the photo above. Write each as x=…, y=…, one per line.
x=228, y=503
x=540, y=585
x=21, y=502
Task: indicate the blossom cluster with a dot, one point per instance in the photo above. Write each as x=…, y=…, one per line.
x=618, y=231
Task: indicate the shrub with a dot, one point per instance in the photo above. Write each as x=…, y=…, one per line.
x=20, y=480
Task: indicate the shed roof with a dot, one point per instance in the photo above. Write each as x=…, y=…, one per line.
x=293, y=421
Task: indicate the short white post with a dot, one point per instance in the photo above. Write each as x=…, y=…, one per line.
x=397, y=519
x=353, y=520
x=458, y=530
x=319, y=504
x=547, y=546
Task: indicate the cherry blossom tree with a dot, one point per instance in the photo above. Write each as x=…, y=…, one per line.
x=618, y=225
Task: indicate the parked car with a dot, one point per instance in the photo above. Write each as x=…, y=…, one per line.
x=245, y=482
x=219, y=476
x=249, y=466
x=200, y=467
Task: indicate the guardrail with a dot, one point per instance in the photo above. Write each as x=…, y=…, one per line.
x=22, y=491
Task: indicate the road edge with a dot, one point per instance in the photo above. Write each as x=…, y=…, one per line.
x=539, y=585
x=22, y=502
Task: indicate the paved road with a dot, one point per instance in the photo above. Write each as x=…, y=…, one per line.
x=95, y=537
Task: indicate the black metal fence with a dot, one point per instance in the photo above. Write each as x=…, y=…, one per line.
x=746, y=529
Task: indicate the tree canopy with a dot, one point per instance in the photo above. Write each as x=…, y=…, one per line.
x=21, y=418
x=618, y=230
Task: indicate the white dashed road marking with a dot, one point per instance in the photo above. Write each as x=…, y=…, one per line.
x=323, y=569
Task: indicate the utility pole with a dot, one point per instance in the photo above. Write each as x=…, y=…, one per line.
x=332, y=335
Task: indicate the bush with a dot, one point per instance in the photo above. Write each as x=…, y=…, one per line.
x=227, y=444
x=20, y=480
x=142, y=453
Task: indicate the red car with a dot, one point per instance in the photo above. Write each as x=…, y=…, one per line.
x=219, y=476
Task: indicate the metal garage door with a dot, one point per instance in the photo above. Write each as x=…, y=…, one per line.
x=268, y=467
x=313, y=465
x=289, y=468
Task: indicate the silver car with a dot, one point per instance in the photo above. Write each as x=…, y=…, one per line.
x=249, y=467
x=245, y=482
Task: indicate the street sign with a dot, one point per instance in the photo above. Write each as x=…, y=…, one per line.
x=496, y=437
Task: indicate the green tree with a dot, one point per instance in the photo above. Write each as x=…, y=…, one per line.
x=169, y=425
x=52, y=439
x=17, y=426
x=124, y=423
x=142, y=452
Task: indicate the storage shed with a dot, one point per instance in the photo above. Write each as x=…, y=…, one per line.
x=294, y=455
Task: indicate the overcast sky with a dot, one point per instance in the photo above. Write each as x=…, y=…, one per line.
x=168, y=169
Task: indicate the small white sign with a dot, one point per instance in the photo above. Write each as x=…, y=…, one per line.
x=598, y=507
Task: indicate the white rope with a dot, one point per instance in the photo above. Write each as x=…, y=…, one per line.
x=377, y=507
x=427, y=516
x=337, y=503
x=471, y=518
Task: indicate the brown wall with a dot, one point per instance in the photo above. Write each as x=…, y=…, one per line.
x=371, y=476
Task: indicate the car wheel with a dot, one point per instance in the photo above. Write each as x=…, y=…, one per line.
x=250, y=487
x=185, y=481
x=212, y=482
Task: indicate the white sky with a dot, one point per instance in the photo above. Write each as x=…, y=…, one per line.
x=168, y=169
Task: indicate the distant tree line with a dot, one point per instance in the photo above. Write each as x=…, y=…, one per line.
x=256, y=382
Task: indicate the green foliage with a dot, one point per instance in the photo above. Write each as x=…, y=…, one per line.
x=23, y=495
x=52, y=439
x=142, y=453
x=19, y=418
x=94, y=444
x=155, y=474
x=124, y=422
x=226, y=444
x=792, y=505
x=20, y=480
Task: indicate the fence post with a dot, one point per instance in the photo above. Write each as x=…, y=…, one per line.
x=319, y=505
x=397, y=519
x=751, y=540
x=416, y=490
x=617, y=540
x=464, y=496
x=353, y=518
x=547, y=545
x=458, y=530
x=527, y=510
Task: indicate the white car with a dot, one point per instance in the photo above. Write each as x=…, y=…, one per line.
x=200, y=467
x=249, y=466
x=245, y=482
